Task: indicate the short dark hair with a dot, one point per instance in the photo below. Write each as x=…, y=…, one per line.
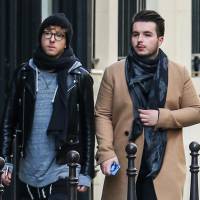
x=57, y=19
x=150, y=16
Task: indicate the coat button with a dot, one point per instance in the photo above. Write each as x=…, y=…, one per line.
x=126, y=133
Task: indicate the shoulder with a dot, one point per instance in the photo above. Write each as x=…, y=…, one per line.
x=21, y=69
x=24, y=67
x=115, y=70
x=78, y=68
x=177, y=70
x=83, y=75
x=176, y=67
x=178, y=73
x=116, y=66
x=83, y=70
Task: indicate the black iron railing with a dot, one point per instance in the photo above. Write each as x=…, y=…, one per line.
x=194, y=169
x=73, y=158
x=131, y=150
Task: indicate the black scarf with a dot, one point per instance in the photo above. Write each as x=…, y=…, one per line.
x=45, y=62
x=147, y=83
x=58, y=123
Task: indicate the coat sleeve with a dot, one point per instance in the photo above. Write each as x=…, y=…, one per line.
x=10, y=118
x=189, y=112
x=87, y=108
x=103, y=119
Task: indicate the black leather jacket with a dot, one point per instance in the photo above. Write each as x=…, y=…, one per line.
x=18, y=120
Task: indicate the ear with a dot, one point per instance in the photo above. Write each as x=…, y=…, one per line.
x=160, y=40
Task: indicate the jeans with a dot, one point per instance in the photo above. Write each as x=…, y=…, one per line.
x=145, y=190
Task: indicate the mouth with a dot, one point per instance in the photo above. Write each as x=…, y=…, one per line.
x=140, y=47
x=51, y=47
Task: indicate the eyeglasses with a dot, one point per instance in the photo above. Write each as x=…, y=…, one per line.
x=57, y=36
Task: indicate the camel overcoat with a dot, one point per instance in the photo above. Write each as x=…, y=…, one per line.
x=114, y=116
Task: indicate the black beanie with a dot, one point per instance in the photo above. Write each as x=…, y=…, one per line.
x=57, y=19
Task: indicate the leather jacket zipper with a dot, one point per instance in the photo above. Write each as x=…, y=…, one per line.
x=23, y=113
x=72, y=86
x=23, y=118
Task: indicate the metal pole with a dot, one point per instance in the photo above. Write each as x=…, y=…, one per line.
x=194, y=169
x=73, y=158
x=131, y=150
x=2, y=163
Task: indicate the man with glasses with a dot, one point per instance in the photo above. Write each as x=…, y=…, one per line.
x=50, y=106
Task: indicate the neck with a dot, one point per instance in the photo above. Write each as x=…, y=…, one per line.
x=150, y=56
x=153, y=56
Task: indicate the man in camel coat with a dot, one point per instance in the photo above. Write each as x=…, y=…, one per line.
x=146, y=99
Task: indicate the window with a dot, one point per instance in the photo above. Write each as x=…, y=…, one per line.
x=81, y=14
x=126, y=10
x=195, y=26
x=195, y=38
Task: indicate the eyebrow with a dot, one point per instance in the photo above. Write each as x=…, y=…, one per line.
x=62, y=32
x=142, y=32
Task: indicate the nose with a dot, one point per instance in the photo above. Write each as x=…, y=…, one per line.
x=140, y=38
x=52, y=39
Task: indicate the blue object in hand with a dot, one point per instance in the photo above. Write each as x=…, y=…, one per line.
x=114, y=168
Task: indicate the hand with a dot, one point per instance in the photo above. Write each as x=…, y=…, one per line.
x=6, y=178
x=82, y=188
x=148, y=117
x=105, y=166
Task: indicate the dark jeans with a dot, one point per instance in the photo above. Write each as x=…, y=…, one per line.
x=54, y=191
x=145, y=190
x=144, y=186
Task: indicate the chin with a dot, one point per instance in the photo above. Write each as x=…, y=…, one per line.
x=51, y=54
x=142, y=54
